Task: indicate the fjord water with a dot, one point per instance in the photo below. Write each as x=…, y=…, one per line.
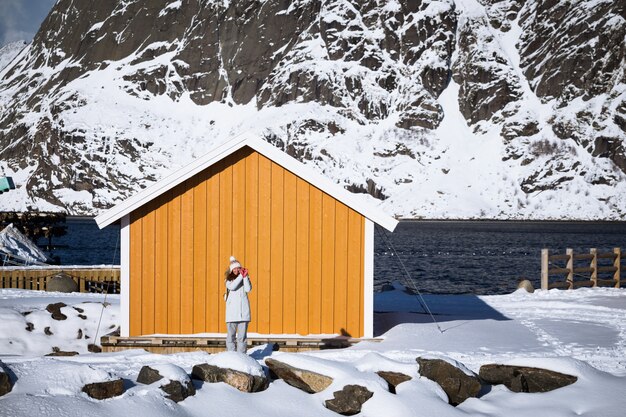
x=441, y=257
x=483, y=257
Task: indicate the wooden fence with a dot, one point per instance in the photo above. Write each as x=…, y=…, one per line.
x=581, y=270
x=88, y=278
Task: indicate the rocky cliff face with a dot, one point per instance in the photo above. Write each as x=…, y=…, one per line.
x=507, y=109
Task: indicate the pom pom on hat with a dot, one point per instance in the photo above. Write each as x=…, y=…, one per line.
x=234, y=263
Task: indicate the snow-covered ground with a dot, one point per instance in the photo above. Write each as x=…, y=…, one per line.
x=581, y=333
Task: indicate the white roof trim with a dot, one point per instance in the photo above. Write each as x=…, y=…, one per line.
x=276, y=155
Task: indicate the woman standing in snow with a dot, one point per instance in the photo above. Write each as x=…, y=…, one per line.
x=237, y=306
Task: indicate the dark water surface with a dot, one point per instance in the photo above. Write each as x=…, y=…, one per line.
x=449, y=257
x=483, y=257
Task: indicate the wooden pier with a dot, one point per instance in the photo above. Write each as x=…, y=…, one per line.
x=177, y=344
x=599, y=269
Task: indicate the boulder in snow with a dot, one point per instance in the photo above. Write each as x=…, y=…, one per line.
x=61, y=283
x=393, y=379
x=458, y=384
x=179, y=385
x=104, y=390
x=242, y=381
x=55, y=310
x=525, y=379
x=526, y=285
x=303, y=379
x=5, y=381
x=349, y=400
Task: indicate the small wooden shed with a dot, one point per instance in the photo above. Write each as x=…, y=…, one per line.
x=308, y=243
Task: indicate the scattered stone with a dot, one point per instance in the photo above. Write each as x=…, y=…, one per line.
x=26, y=313
x=148, y=375
x=80, y=334
x=104, y=390
x=30, y=326
x=92, y=347
x=525, y=379
x=47, y=331
x=5, y=381
x=387, y=287
x=242, y=381
x=55, y=310
x=58, y=352
x=177, y=390
x=61, y=283
x=80, y=310
x=458, y=385
x=527, y=285
x=349, y=400
x=393, y=379
x=307, y=381
x=82, y=316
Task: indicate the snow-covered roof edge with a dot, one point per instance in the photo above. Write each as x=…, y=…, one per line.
x=222, y=151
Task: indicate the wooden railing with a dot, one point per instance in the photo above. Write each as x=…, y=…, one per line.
x=599, y=269
x=88, y=278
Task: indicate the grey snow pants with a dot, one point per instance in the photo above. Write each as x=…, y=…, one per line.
x=241, y=338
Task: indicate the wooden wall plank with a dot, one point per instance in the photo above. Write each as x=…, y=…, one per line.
x=328, y=264
x=215, y=276
x=161, y=287
x=186, y=261
x=251, y=234
x=277, y=247
x=342, y=292
x=135, y=267
x=239, y=205
x=226, y=225
x=264, y=242
x=199, y=252
x=302, y=257
x=290, y=274
x=174, y=264
x=356, y=228
x=315, y=261
x=148, y=262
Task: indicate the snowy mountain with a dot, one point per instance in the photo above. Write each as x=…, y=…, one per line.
x=437, y=109
x=9, y=51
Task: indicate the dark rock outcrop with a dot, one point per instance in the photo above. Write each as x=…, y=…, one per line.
x=349, y=400
x=303, y=379
x=457, y=384
x=148, y=375
x=176, y=390
x=104, y=390
x=525, y=379
x=5, y=381
x=393, y=379
x=55, y=310
x=242, y=381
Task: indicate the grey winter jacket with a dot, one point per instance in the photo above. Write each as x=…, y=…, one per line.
x=237, y=304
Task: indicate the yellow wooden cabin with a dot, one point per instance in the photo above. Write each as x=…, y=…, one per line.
x=308, y=243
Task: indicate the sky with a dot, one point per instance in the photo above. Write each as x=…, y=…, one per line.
x=20, y=19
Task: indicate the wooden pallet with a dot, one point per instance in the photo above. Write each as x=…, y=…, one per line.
x=218, y=344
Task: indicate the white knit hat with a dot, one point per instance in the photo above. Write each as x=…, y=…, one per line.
x=234, y=263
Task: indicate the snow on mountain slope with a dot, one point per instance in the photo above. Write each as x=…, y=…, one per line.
x=9, y=51
x=438, y=109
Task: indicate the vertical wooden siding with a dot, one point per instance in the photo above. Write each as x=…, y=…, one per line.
x=304, y=250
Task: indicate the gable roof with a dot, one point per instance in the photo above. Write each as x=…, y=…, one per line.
x=274, y=154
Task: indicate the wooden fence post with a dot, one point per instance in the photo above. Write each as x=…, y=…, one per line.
x=545, y=255
x=617, y=263
x=594, y=266
x=570, y=266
